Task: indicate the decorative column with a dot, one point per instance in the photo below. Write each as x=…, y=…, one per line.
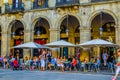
x=4, y=44
x=28, y=4
x=28, y=37
x=85, y=34
x=117, y=36
x=54, y=36
x=51, y=3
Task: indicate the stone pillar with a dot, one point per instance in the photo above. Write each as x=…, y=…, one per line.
x=28, y=37
x=84, y=1
x=51, y=3
x=4, y=44
x=117, y=36
x=3, y=8
x=54, y=36
x=85, y=34
x=28, y=5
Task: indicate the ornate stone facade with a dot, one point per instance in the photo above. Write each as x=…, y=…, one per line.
x=82, y=13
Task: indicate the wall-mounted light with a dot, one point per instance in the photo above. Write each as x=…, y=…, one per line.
x=67, y=27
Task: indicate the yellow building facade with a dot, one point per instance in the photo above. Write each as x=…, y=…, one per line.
x=44, y=21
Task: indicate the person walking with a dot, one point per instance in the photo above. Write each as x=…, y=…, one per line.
x=105, y=57
x=118, y=66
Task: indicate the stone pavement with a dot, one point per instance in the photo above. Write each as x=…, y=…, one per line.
x=50, y=75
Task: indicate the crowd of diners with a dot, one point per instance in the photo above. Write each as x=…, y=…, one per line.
x=46, y=61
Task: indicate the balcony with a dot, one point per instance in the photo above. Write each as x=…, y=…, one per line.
x=13, y=8
x=100, y=0
x=40, y=5
x=60, y=3
x=0, y=10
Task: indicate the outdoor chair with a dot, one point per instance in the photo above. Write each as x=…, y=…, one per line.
x=111, y=66
x=83, y=67
x=97, y=66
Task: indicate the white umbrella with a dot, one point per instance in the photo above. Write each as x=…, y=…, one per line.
x=30, y=45
x=60, y=43
x=97, y=42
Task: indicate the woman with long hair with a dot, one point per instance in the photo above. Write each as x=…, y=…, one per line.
x=118, y=66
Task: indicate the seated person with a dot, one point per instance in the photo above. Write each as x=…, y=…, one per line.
x=31, y=64
x=60, y=63
x=92, y=63
x=74, y=62
x=86, y=63
x=97, y=63
x=16, y=64
x=52, y=63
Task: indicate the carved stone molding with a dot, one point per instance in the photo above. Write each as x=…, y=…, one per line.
x=73, y=9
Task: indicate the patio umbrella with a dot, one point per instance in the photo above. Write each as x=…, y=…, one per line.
x=30, y=45
x=61, y=44
x=97, y=42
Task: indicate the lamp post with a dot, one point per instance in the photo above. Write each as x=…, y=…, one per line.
x=38, y=31
x=101, y=32
x=67, y=27
x=101, y=29
x=13, y=33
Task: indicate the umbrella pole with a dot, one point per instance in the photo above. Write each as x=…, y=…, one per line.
x=62, y=52
x=31, y=53
x=98, y=51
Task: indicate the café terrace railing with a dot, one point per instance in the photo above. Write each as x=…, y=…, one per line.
x=66, y=2
x=11, y=8
x=101, y=0
x=37, y=5
x=0, y=10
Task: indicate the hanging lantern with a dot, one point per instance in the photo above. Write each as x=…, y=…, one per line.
x=101, y=30
x=67, y=32
x=38, y=33
x=13, y=34
x=67, y=27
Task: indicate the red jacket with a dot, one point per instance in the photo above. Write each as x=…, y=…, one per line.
x=74, y=63
x=15, y=62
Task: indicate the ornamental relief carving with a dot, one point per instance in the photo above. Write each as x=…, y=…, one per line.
x=74, y=9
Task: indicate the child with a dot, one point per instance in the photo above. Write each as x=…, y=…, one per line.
x=118, y=65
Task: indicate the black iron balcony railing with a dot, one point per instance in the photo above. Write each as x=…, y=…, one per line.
x=17, y=7
x=0, y=10
x=42, y=4
x=66, y=2
x=100, y=0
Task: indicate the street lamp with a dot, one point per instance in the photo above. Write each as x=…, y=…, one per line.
x=38, y=31
x=67, y=27
x=101, y=29
x=13, y=33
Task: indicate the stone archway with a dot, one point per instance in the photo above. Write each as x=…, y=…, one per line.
x=69, y=27
x=108, y=27
x=41, y=33
x=16, y=37
x=103, y=27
